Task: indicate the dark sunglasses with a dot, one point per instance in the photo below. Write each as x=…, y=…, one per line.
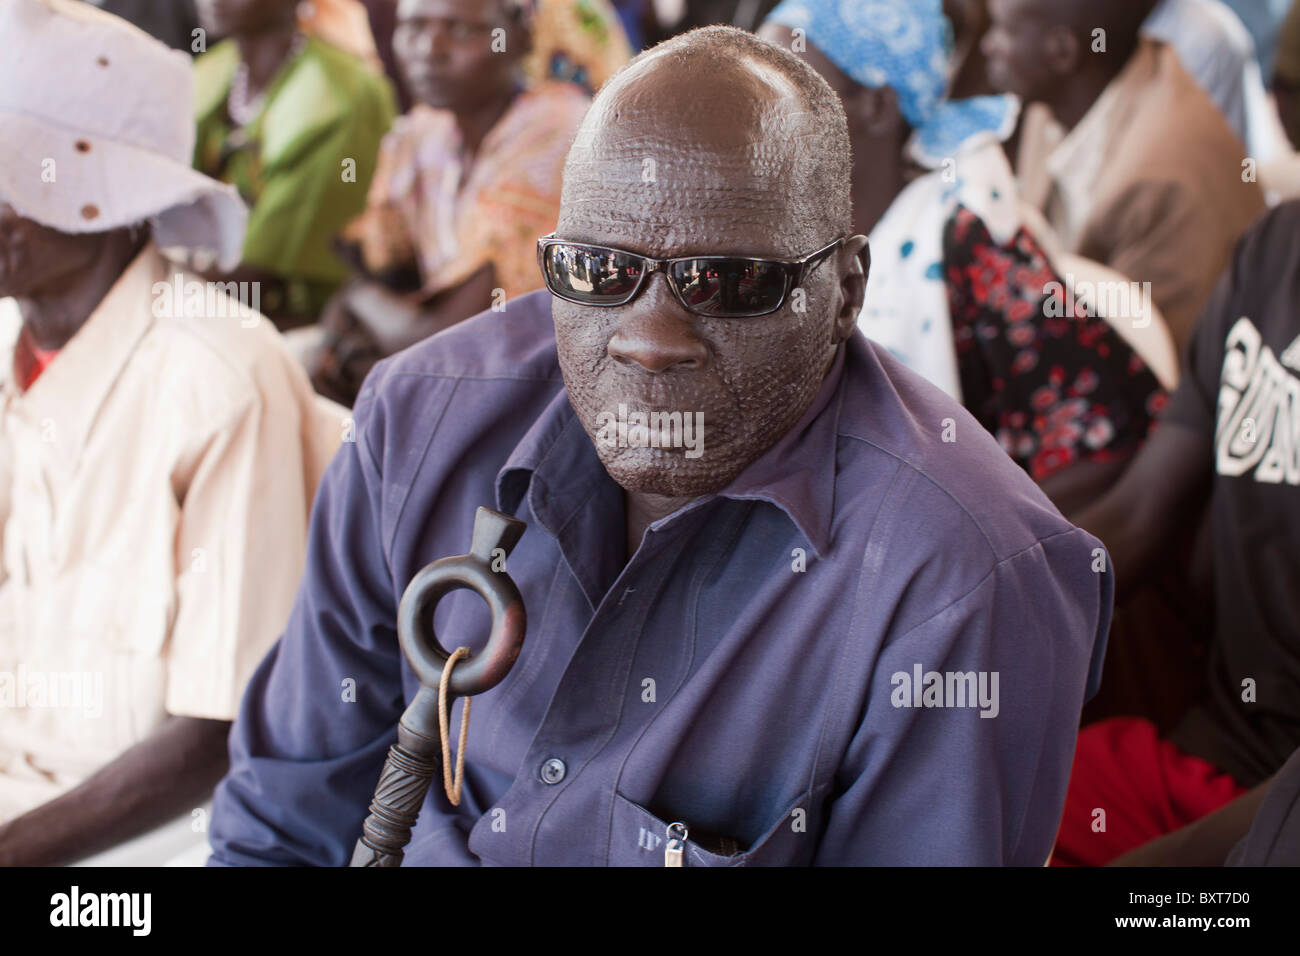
x=719, y=286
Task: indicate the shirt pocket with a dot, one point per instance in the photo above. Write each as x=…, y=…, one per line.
x=124, y=613
x=119, y=629
x=639, y=838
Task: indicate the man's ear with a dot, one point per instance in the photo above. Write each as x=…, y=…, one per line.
x=875, y=111
x=855, y=265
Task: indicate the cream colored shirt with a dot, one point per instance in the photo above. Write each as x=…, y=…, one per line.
x=1077, y=160
x=1059, y=171
x=155, y=485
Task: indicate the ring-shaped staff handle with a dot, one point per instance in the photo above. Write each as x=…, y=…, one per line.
x=416, y=759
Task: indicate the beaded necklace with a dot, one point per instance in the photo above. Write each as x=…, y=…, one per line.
x=241, y=109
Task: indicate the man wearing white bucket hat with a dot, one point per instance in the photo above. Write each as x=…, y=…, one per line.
x=159, y=448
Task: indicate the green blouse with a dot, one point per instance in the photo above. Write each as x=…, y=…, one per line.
x=303, y=165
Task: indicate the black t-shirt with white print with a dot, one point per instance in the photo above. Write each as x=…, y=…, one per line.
x=1241, y=388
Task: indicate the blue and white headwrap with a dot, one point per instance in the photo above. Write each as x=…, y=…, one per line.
x=905, y=45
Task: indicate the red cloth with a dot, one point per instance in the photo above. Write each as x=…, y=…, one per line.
x=30, y=360
x=1146, y=786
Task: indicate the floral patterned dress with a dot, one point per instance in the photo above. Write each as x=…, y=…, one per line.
x=1054, y=388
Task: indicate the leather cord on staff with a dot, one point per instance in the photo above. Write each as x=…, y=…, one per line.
x=451, y=787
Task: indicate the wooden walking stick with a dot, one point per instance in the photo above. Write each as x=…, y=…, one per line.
x=416, y=759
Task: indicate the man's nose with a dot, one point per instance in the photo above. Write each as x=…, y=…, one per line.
x=991, y=44
x=657, y=334
x=423, y=43
x=440, y=42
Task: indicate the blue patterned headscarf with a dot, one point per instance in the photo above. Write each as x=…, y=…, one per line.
x=907, y=46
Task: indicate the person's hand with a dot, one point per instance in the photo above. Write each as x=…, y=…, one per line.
x=339, y=362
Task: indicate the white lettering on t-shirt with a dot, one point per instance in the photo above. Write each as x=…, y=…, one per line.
x=1259, y=411
x=1291, y=354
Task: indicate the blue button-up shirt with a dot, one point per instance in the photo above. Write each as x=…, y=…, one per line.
x=872, y=647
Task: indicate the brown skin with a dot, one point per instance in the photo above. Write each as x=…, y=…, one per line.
x=752, y=378
x=444, y=51
x=970, y=21
x=167, y=774
x=58, y=280
x=1082, y=483
x=262, y=29
x=1164, y=490
x=1288, y=109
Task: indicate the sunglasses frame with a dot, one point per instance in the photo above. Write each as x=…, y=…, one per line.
x=794, y=272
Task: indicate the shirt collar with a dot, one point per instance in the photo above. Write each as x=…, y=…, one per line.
x=70, y=393
x=797, y=474
x=557, y=466
x=556, y=444
x=1078, y=160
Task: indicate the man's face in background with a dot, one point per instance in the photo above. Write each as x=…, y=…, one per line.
x=225, y=18
x=445, y=50
x=36, y=261
x=676, y=163
x=1017, y=48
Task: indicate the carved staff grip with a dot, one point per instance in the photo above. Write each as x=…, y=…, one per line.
x=412, y=765
x=416, y=758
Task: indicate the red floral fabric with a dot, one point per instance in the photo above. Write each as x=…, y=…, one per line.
x=1053, y=391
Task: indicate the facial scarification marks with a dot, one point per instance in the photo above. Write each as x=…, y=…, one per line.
x=733, y=174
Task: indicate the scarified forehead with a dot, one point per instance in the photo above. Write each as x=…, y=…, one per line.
x=678, y=157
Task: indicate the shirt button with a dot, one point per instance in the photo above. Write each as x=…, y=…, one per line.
x=553, y=771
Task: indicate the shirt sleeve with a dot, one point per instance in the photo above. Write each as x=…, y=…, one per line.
x=1155, y=233
x=322, y=709
x=977, y=785
x=240, y=545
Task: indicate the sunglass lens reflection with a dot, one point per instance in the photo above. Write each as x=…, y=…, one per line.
x=591, y=275
x=730, y=287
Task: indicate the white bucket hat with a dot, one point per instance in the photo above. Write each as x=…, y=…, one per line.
x=97, y=131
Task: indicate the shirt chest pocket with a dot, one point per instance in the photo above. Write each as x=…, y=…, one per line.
x=101, y=631
x=116, y=611
x=640, y=838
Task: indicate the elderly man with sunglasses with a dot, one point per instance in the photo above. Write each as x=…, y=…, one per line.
x=786, y=602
